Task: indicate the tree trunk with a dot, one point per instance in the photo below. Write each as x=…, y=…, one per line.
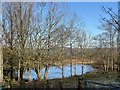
x=39, y=69
x=75, y=68
x=108, y=64
x=112, y=64
x=39, y=75
x=71, y=68
x=39, y=72
x=1, y=64
x=19, y=70
x=11, y=69
x=21, y=73
x=28, y=72
x=62, y=71
x=82, y=69
x=46, y=72
x=105, y=67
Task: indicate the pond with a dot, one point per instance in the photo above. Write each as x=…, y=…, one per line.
x=56, y=72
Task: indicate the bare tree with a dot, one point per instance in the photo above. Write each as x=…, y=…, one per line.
x=53, y=19
x=110, y=33
x=9, y=34
x=116, y=25
x=16, y=28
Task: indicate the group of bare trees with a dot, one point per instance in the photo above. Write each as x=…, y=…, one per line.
x=35, y=35
x=108, y=42
x=107, y=49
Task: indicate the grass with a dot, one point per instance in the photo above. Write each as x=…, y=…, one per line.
x=98, y=76
x=72, y=82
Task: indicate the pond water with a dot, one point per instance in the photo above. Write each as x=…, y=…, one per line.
x=56, y=72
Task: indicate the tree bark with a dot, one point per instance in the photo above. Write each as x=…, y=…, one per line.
x=28, y=72
x=108, y=65
x=19, y=70
x=1, y=64
x=62, y=71
x=82, y=69
x=39, y=72
x=75, y=68
x=71, y=57
x=71, y=68
x=39, y=75
x=46, y=72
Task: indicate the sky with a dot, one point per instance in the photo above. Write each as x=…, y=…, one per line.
x=90, y=12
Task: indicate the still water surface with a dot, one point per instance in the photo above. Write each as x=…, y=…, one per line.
x=55, y=72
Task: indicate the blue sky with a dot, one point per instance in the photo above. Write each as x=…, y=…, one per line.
x=90, y=13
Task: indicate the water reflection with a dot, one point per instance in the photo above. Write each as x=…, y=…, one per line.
x=56, y=72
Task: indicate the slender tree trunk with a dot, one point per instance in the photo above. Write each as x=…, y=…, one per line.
x=75, y=68
x=71, y=68
x=62, y=71
x=39, y=72
x=71, y=53
x=1, y=64
x=19, y=70
x=108, y=64
x=39, y=75
x=28, y=72
x=21, y=74
x=46, y=72
x=62, y=51
x=105, y=66
x=82, y=68
x=21, y=46
x=11, y=70
x=112, y=65
x=110, y=30
x=71, y=58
